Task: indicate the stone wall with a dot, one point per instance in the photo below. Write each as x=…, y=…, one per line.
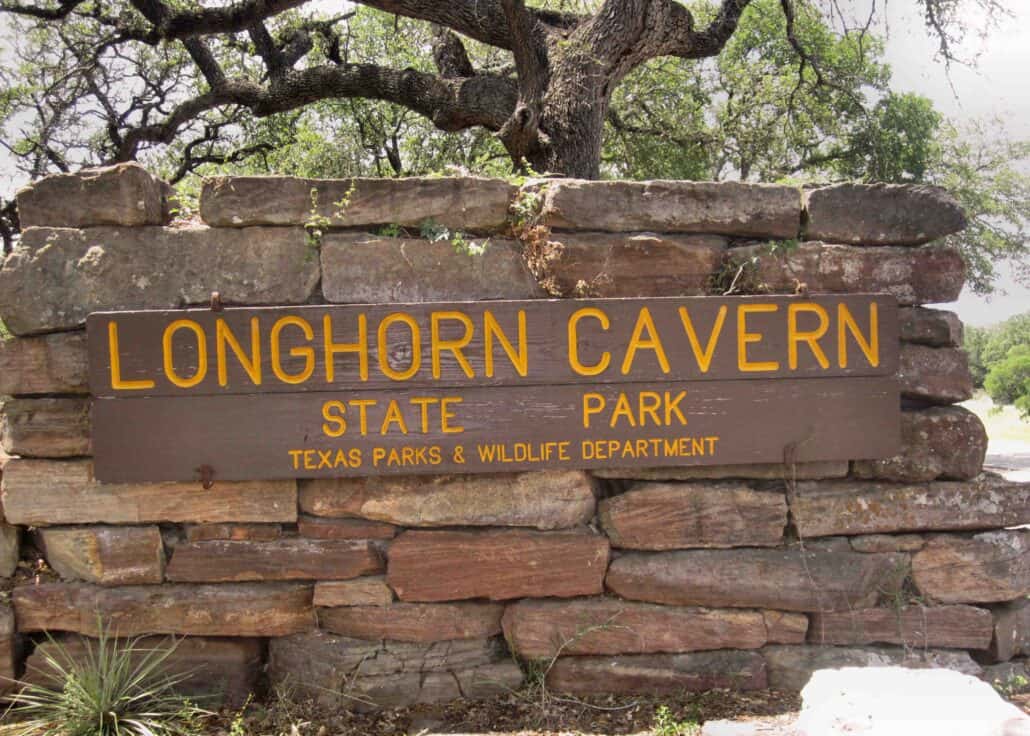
x=388, y=591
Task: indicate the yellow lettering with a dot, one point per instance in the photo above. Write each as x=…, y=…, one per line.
x=335, y=425
x=648, y=402
x=744, y=338
x=589, y=409
x=446, y=415
x=169, y=362
x=306, y=352
x=438, y=344
x=811, y=337
x=362, y=405
x=622, y=410
x=672, y=406
x=703, y=357
x=423, y=402
x=636, y=342
x=116, y=364
x=393, y=416
x=332, y=348
x=251, y=364
x=383, y=347
x=574, y=362
x=846, y=323
x=491, y=329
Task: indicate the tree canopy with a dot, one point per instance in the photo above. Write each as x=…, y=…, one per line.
x=743, y=89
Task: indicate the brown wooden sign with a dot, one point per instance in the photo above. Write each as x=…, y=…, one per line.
x=314, y=391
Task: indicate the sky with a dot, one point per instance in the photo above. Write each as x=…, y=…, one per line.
x=997, y=86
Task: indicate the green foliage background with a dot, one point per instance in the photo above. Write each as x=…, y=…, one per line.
x=999, y=359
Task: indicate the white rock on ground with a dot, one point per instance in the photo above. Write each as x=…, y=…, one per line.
x=894, y=701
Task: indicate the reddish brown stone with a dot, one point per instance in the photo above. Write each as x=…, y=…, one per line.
x=48, y=364
x=9, y=649
x=753, y=471
x=496, y=564
x=545, y=500
x=948, y=627
x=935, y=327
x=538, y=629
x=992, y=567
x=45, y=427
x=316, y=527
x=10, y=547
x=870, y=507
x=269, y=609
x=947, y=442
x=283, y=559
x=50, y=492
x=1011, y=630
x=935, y=375
x=829, y=579
x=785, y=628
x=418, y=622
x=368, y=591
x=661, y=516
x=233, y=532
x=107, y=555
x=887, y=543
x=630, y=265
x=658, y=674
x=926, y=275
x=220, y=671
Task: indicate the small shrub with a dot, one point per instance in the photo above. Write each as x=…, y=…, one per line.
x=117, y=689
x=665, y=724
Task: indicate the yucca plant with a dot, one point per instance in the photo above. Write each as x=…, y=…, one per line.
x=116, y=688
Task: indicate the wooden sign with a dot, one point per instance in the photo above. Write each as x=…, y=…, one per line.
x=323, y=391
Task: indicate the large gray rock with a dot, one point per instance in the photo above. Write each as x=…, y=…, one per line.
x=10, y=548
x=50, y=427
x=415, y=622
x=361, y=268
x=545, y=500
x=881, y=214
x=925, y=275
x=339, y=672
x=940, y=442
x=541, y=629
x=658, y=674
x=724, y=208
x=985, y=568
x=48, y=364
x=55, y=277
x=934, y=327
x=871, y=507
x=934, y=375
x=123, y=194
x=890, y=701
x=948, y=627
x=242, y=609
x=791, y=667
x=52, y=492
x=9, y=649
x=107, y=555
x=632, y=265
x=1011, y=630
x=460, y=203
x=783, y=579
x=661, y=516
x=753, y=471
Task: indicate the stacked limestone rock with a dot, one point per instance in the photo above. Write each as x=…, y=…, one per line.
x=396, y=590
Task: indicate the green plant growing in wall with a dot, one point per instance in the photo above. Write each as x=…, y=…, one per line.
x=434, y=232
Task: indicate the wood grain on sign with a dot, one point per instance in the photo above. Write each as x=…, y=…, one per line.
x=330, y=348
x=495, y=429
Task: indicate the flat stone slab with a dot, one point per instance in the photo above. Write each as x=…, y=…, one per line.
x=991, y=567
x=370, y=269
x=340, y=672
x=48, y=364
x=933, y=327
x=52, y=492
x=891, y=701
x=364, y=591
x=55, y=277
x=940, y=442
x=948, y=627
x=870, y=507
x=721, y=208
x=317, y=527
x=9, y=649
x=754, y=471
x=107, y=555
x=927, y=275
x=791, y=667
x=233, y=532
x=496, y=564
x=415, y=622
x=460, y=203
x=599, y=264
x=542, y=629
x=663, y=516
x=10, y=547
x=780, y=579
x=658, y=674
x=545, y=500
x=934, y=375
x=1011, y=630
x=242, y=609
x=281, y=559
x=123, y=194
x=47, y=427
